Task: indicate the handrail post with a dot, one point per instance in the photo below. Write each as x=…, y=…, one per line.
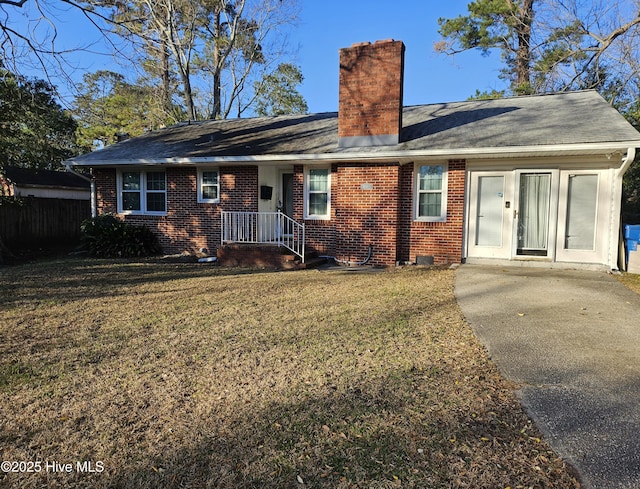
x=263, y=227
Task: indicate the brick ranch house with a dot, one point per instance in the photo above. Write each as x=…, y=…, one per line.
x=528, y=180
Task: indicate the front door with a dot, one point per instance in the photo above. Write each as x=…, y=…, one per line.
x=532, y=216
x=490, y=215
x=512, y=214
x=286, y=193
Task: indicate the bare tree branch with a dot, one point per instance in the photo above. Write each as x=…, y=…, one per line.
x=29, y=39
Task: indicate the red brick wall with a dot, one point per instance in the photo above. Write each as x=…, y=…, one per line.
x=188, y=225
x=442, y=240
x=319, y=234
x=370, y=204
x=366, y=212
x=359, y=217
x=370, y=94
x=105, y=183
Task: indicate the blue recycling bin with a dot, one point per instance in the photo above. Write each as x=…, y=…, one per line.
x=631, y=238
x=632, y=231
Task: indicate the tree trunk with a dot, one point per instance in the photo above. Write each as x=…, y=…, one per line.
x=217, y=70
x=166, y=77
x=523, y=54
x=188, y=95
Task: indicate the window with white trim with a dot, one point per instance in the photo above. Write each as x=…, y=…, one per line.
x=142, y=192
x=208, y=185
x=317, y=193
x=431, y=192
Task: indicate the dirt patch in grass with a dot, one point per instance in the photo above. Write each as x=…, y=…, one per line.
x=194, y=376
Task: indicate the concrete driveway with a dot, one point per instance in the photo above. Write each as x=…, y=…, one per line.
x=571, y=340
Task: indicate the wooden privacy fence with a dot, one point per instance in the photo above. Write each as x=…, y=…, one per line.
x=42, y=222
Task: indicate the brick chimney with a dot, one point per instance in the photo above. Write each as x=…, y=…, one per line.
x=370, y=104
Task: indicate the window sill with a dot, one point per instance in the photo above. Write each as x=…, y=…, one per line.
x=134, y=213
x=428, y=220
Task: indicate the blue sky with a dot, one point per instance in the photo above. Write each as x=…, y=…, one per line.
x=325, y=26
x=328, y=25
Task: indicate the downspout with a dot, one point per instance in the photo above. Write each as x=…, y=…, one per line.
x=94, y=208
x=616, y=208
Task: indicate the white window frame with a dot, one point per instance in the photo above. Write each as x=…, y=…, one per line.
x=143, y=192
x=443, y=191
x=308, y=192
x=201, y=199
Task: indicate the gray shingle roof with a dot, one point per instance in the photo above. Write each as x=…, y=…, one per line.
x=572, y=118
x=28, y=177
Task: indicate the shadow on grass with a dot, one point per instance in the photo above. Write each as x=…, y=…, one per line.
x=430, y=411
x=374, y=433
x=80, y=278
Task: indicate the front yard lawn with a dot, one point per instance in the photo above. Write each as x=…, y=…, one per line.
x=162, y=375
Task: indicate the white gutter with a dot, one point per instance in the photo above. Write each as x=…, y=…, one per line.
x=627, y=162
x=616, y=208
x=94, y=207
x=376, y=156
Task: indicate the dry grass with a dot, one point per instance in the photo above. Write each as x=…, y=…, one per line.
x=630, y=280
x=181, y=376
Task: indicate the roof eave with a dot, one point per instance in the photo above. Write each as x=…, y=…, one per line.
x=51, y=187
x=607, y=149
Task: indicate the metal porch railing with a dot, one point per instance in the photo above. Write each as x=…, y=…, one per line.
x=273, y=228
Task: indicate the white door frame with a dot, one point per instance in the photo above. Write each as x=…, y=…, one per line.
x=503, y=250
x=605, y=227
x=280, y=193
x=508, y=248
x=552, y=218
x=602, y=217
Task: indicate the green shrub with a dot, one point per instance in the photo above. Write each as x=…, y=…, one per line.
x=108, y=237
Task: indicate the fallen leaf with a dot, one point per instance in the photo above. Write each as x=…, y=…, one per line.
x=300, y=481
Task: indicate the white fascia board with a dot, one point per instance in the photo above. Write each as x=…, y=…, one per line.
x=54, y=187
x=382, y=155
